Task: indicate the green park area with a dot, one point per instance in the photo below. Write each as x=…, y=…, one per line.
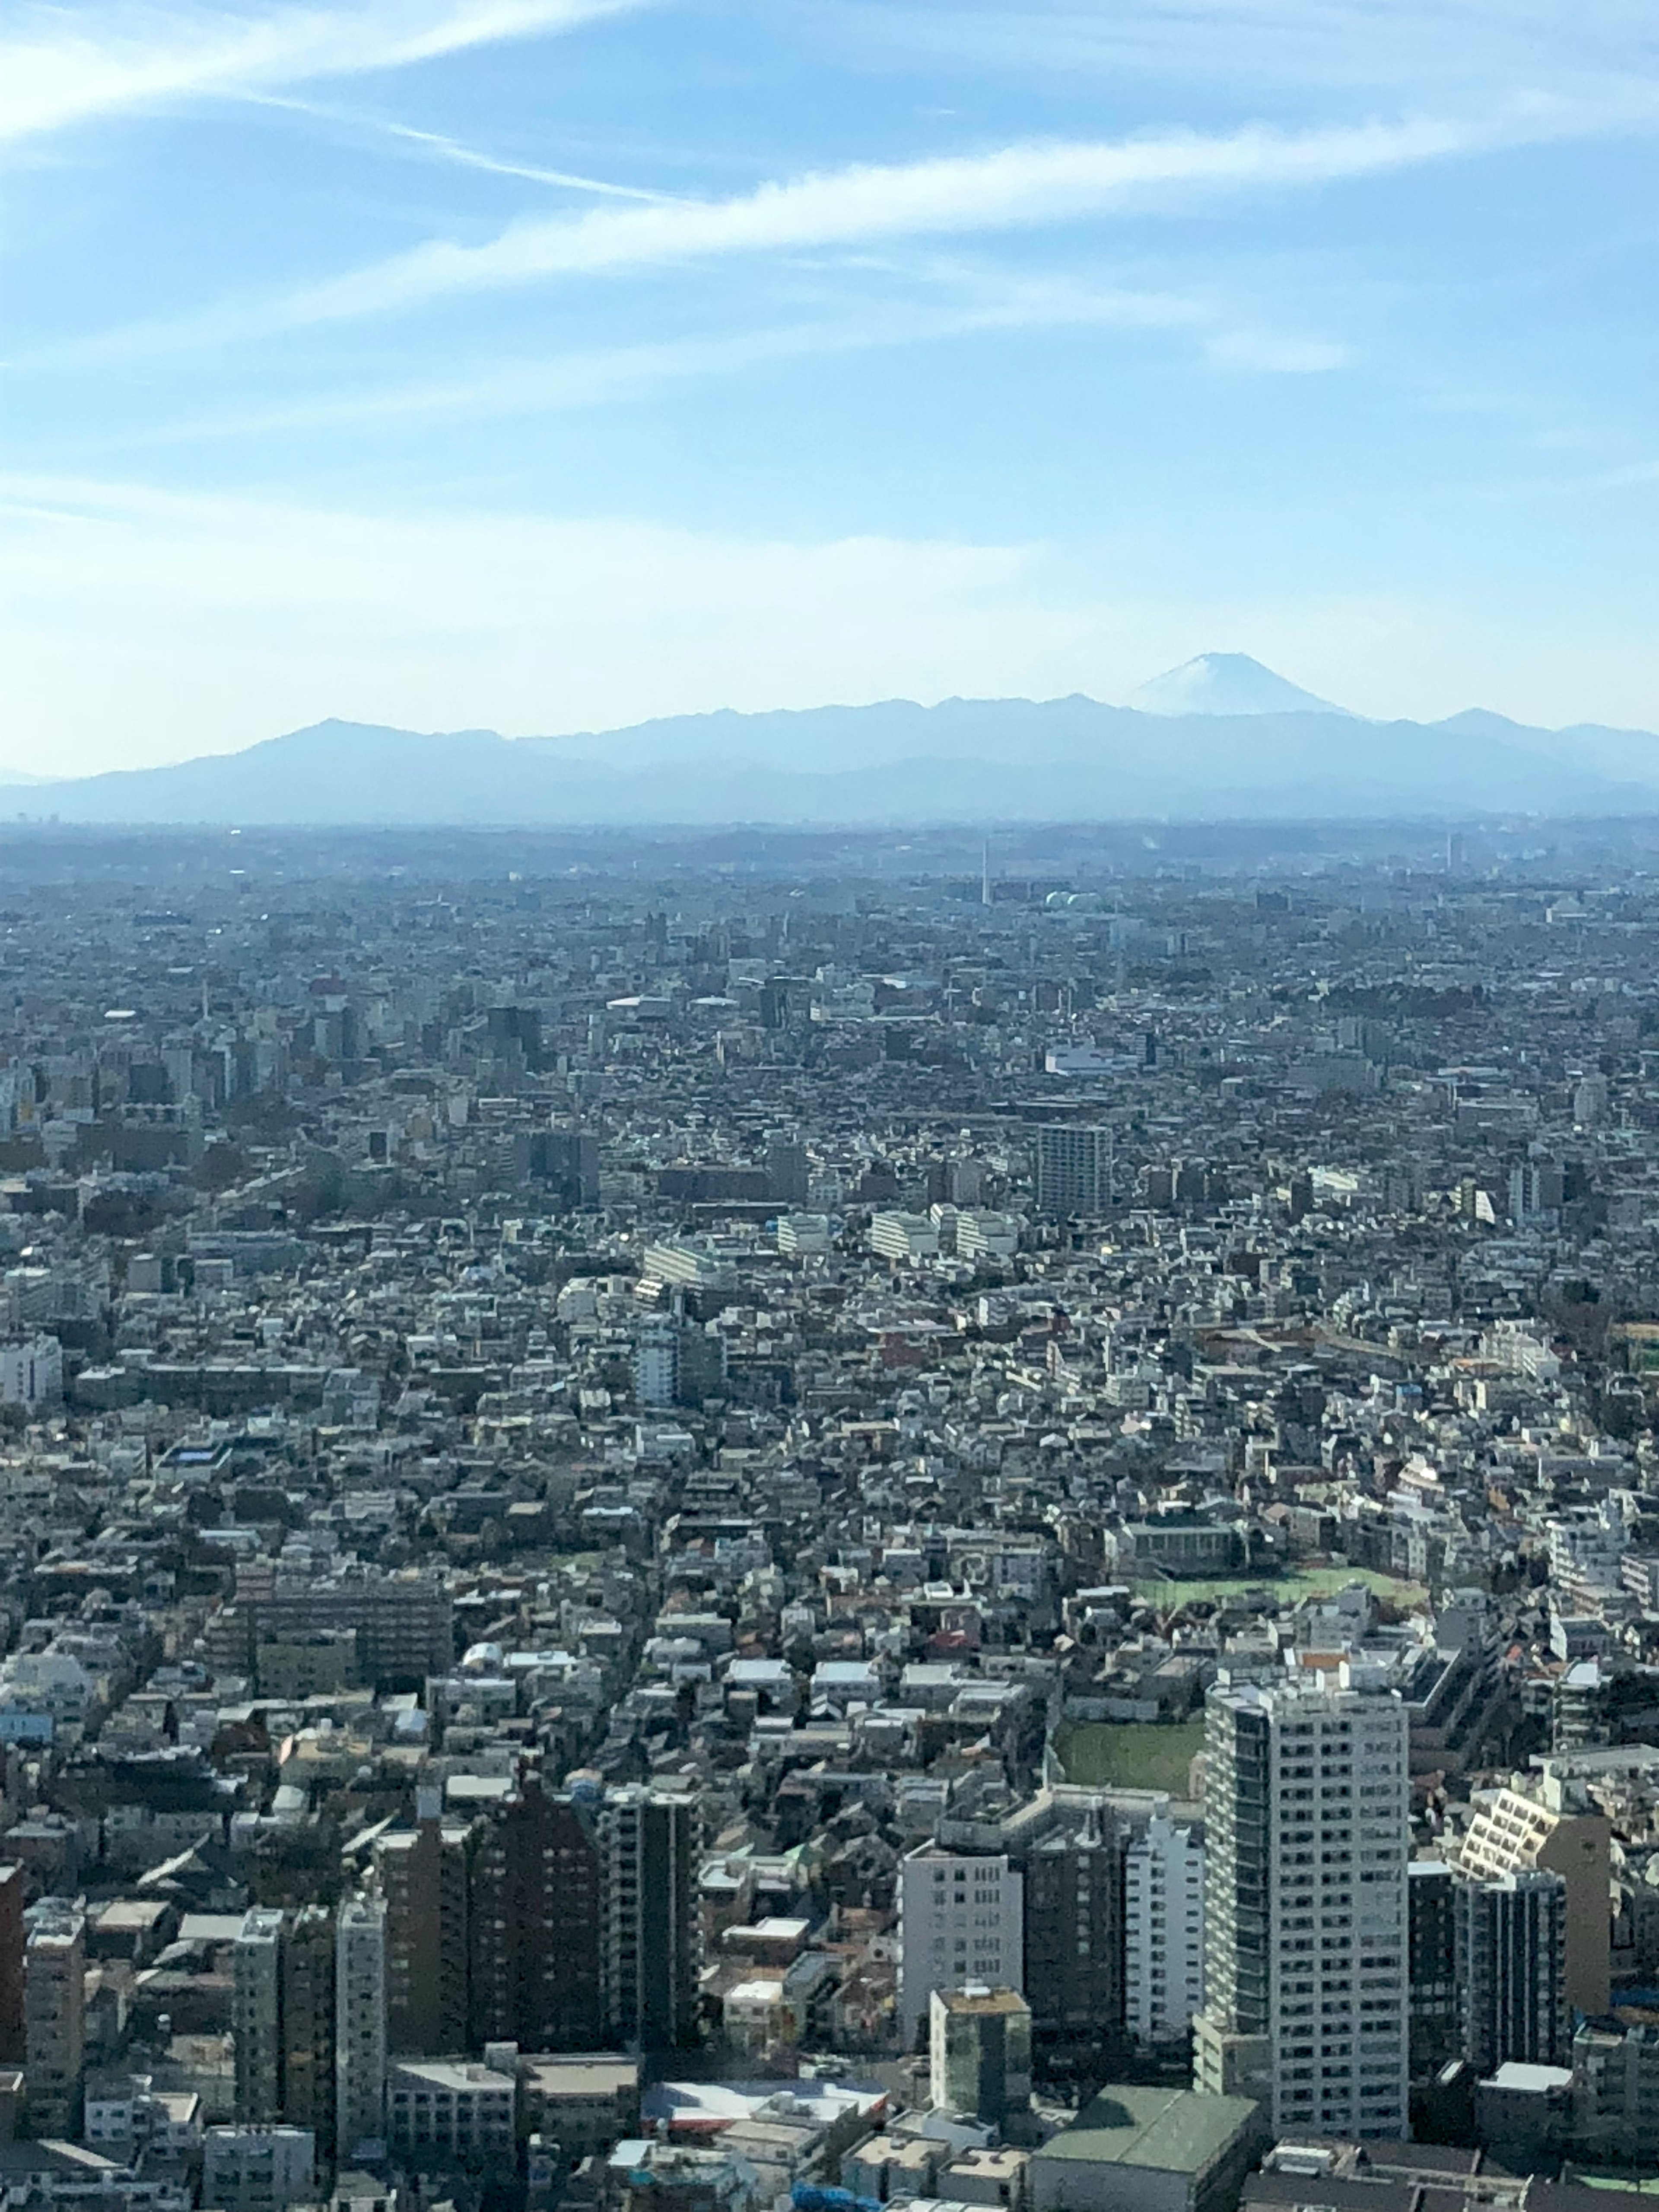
x=1129, y=1754
x=1288, y=1590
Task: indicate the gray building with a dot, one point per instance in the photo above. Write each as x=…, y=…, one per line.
x=1073, y=1167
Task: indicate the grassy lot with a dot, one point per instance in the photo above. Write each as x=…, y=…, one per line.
x=1311, y=1582
x=1129, y=1754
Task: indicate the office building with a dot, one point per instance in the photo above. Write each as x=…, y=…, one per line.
x=1073, y=1175
x=677, y=1362
x=1305, y=1908
x=656, y=1360
x=1511, y=1969
x=403, y=1622
x=978, y=2052
x=359, y=2027
x=650, y=1949
x=55, y=2016
x=961, y=1919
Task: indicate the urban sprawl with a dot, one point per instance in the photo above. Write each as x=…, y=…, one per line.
x=725, y=1525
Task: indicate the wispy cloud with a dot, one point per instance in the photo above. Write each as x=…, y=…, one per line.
x=1443, y=48
x=1017, y=187
x=434, y=146
x=972, y=303
x=62, y=65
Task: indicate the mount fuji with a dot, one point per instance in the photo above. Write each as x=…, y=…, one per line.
x=1225, y=683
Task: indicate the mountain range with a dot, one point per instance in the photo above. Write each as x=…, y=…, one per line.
x=1221, y=738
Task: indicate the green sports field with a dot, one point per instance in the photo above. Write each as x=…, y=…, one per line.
x=1129, y=1754
x=1311, y=1582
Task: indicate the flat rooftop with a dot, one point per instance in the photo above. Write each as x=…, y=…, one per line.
x=1171, y=2130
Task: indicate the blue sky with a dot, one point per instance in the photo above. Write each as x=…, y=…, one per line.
x=547, y=364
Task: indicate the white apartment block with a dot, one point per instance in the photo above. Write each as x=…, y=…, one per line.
x=656, y=1360
x=804, y=1233
x=904, y=1236
x=1163, y=1930
x=32, y=1372
x=962, y=1919
x=1306, y=1811
x=1588, y=1546
x=981, y=1235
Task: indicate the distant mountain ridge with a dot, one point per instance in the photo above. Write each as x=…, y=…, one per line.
x=965, y=760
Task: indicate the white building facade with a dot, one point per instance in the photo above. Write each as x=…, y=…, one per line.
x=1163, y=1930
x=962, y=1919
x=32, y=1372
x=1306, y=1983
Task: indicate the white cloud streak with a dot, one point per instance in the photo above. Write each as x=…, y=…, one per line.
x=436, y=147
x=1019, y=187
x=63, y=65
x=1440, y=49
x=612, y=374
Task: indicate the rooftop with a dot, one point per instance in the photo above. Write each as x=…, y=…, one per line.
x=1170, y=2130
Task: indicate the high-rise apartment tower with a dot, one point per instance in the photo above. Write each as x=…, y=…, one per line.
x=1305, y=1912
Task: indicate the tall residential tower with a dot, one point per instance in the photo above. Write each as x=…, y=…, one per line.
x=1305, y=1915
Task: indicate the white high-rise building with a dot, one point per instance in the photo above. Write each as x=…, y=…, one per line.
x=32, y=1372
x=1163, y=1930
x=360, y=2024
x=656, y=1362
x=962, y=1920
x=1306, y=1984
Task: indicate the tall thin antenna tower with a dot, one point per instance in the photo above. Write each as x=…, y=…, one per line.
x=985, y=875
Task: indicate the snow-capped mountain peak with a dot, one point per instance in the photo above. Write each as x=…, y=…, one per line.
x=1225, y=683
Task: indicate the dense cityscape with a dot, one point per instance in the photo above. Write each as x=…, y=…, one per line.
x=704, y=1525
